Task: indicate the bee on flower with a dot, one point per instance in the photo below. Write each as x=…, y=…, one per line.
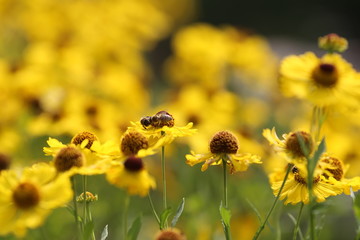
x=161, y=127
x=223, y=147
x=27, y=198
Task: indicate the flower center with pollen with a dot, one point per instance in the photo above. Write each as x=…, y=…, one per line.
x=67, y=158
x=80, y=137
x=333, y=167
x=26, y=195
x=132, y=143
x=293, y=144
x=170, y=234
x=133, y=164
x=325, y=75
x=224, y=142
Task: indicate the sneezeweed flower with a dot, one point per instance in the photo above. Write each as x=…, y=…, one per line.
x=223, y=146
x=170, y=234
x=28, y=198
x=132, y=176
x=328, y=181
x=323, y=81
x=78, y=156
x=89, y=197
x=161, y=127
x=333, y=43
x=290, y=145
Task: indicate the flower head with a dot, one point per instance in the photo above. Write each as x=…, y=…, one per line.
x=87, y=157
x=323, y=81
x=132, y=176
x=291, y=145
x=223, y=147
x=170, y=234
x=296, y=188
x=333, y=43
x=27, y=199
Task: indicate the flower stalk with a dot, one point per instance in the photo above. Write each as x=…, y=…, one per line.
x=262, y=226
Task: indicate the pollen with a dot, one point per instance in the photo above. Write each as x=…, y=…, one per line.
x=80, y=137
x=26, y=195
x=298, y=177
x=325, y=75
x=67, y=158
x=224, y=142
x=294, y=146
x=133, y=164
x=333, y=167
x=132, y=143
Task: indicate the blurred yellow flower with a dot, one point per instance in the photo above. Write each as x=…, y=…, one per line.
x=223, y=147
x=323, y=81
x=27, y=199
x=131, y=175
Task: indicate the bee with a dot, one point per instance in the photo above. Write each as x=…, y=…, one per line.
x=159, y=120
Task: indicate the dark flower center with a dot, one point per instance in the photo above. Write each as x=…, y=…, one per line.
x=224, y=142
x=325, y=75
x=133, y=164
x=80, y=137
x=293, y=144
x=67, y=158
x=26, y=195
x=132, y=143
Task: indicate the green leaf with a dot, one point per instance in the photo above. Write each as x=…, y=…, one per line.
x=134, y=230
x=104, y=233
x=225, y=215
x=178, y=213
x=321, y=149
x=255, y=210
x=164, y=217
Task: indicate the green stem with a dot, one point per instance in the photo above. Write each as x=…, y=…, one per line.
x=163, y=176
x=73, y=183
x=85, y=220
x=90, y=220
x=125, y=216
x=153, y=209
x=262, y=226
x=225, y=183
x=226, y=226
x=296, y=229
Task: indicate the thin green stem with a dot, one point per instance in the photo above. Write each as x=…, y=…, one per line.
x=125, y=216
x=85, y=219
x=73, y=183
x=163, y=176
x=90, y=220
x=296, y=229
x=153, y=209
x=225, y=183
x=262, y=226
x=226, y=226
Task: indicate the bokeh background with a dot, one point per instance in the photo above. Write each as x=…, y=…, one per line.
x=95, y=65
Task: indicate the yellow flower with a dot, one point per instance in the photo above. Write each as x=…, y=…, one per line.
x=160, y=128
x=295, y=189
x=78, y=157
x=323, y=81
x=290, y=145
x=27, y=199
x=132, y=176
x=223, y=146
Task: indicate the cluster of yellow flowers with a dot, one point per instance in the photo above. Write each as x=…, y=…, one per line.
x=89, y=78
